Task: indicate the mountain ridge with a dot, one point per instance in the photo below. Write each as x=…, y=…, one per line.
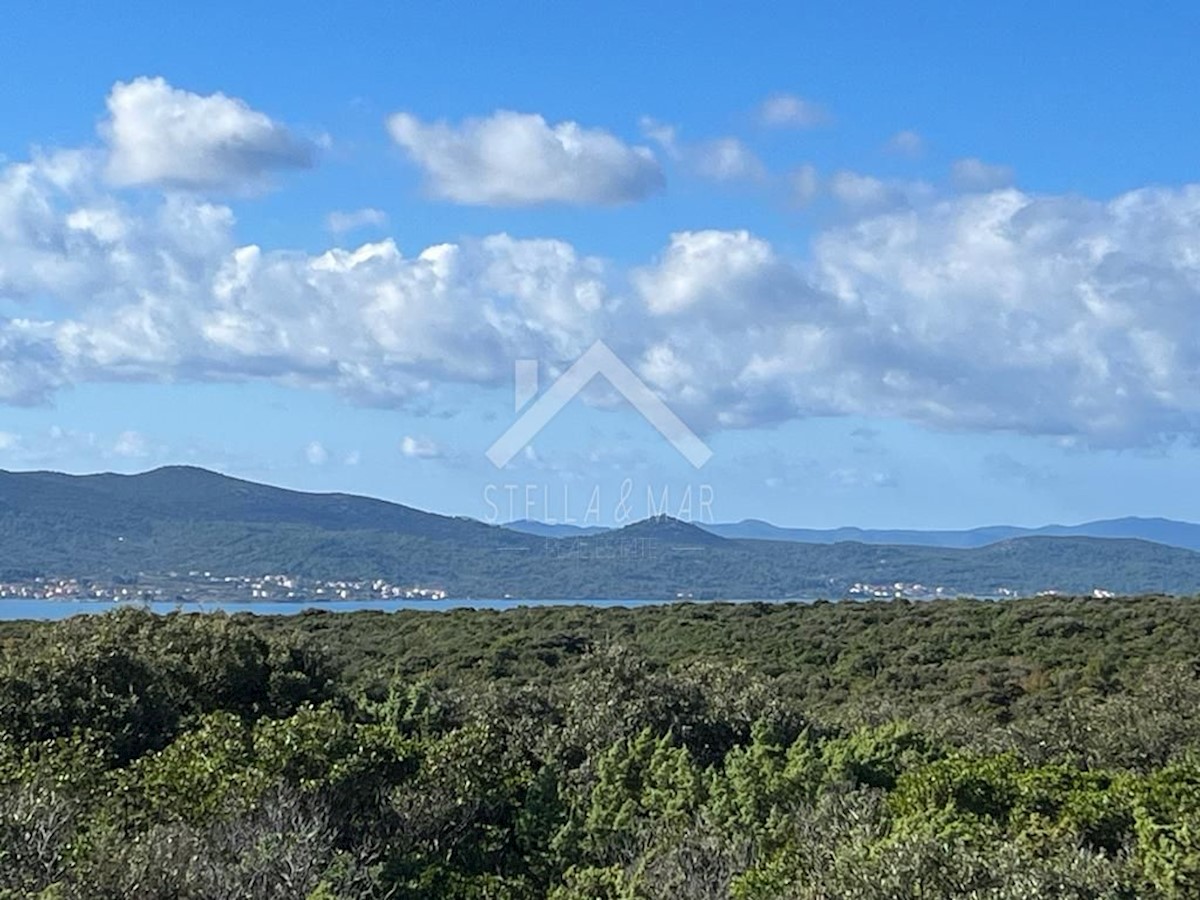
x=1171, y=532
x=184, y=518
x=1159, y=530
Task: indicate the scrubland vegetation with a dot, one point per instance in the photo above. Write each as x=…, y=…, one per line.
x=1041, y=748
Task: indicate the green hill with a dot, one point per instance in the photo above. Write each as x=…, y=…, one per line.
x=180, y=519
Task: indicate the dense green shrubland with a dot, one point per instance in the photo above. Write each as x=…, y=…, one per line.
x=1029, y=749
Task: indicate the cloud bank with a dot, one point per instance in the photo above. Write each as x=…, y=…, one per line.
x=987, y=309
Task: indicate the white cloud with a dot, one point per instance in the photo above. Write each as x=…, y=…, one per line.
x=342, y=221
x=161, y=135
x=994, y=310
x=353, y=458
x=57, y=446
x=663, y=134
x=859, y=191
x=516, y=159
x=727, y=159
x=726, y=272
x=717, y=159
x=1046, y=316
x=790, y=111
x=975, y=175
x=906, y=143
x=1041, y=315
x=131, y=445
x=56, y=228
x=867, y=195
x=316, y=454
x=166, y=289
x=732, y=320
x=420, y=448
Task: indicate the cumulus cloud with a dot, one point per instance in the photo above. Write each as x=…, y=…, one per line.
x=717, y=271
x=975, y=175
x=420, y=448
x=987, y=310
x=905, y=143
x=1043, y=315
x=790, y=111
x=999, y=311
x=518, y=159
x=343, y=221
x=54, y=230
x=167, y=289
x=160, y=135
x=731, y=319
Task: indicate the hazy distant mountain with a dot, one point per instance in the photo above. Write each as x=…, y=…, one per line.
x=1161, y=531
x=181, y=519
x=664, y=529
x=657, y=528
x=553, y=530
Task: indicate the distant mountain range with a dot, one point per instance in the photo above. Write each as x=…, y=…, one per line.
x=1160, y=531
x=182, y=519
x=554, y=529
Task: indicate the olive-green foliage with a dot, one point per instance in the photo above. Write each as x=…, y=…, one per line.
x=1167, y=816
x=871, y=751
x=130, y=679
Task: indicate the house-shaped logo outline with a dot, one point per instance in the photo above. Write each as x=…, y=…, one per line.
x=598, y=359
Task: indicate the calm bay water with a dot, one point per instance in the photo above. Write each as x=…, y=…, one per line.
x=11, y=609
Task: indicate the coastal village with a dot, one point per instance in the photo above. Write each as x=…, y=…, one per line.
x=197, y=586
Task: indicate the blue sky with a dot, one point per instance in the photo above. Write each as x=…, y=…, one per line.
x=934, y=268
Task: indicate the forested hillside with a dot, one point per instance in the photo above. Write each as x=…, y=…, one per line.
x=959, y=749
x=184, y=519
